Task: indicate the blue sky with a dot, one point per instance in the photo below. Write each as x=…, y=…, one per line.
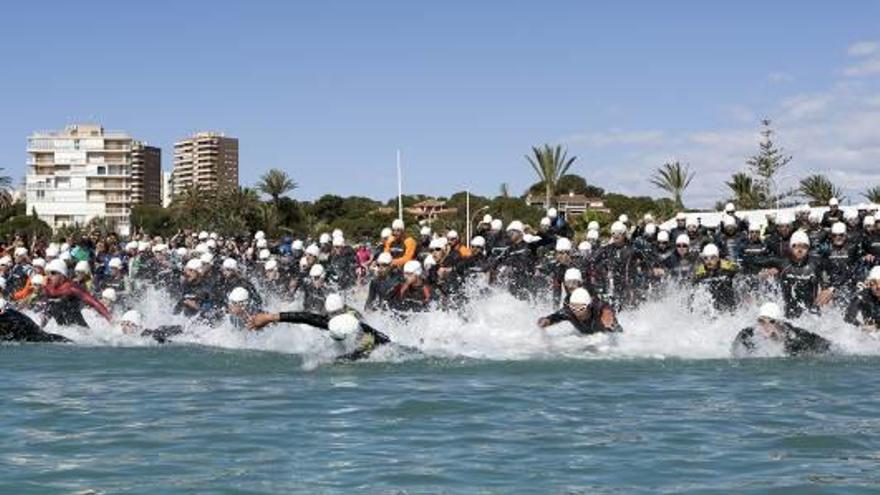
x=329, y=90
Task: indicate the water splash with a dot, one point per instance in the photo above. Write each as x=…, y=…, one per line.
x=493, y=326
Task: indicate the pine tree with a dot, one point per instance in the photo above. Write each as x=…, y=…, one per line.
x=764, y=168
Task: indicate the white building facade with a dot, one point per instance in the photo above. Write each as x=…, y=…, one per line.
x=78, y=174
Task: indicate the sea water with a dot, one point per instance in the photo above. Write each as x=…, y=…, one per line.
x=485, y=403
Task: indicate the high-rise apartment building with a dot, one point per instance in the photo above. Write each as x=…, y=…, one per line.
x=78, y=174
x=206, y=161
x=146, y=174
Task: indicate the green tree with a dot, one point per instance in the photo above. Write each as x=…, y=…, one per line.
x=765, y=166
x=673, y=178
x=550, y=164
x=570, y=183
x=276, y=183
x=742, y=186
x=872, y=194
x=819, y=189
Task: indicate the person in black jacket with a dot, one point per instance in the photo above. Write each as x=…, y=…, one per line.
x=344, y=325
x=864, y=309
x=771, y=330
x=587, y=315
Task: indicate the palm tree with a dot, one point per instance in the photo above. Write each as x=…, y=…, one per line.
x=276, y=183
x=819, y=189
x=504, y=191
x=550, y=164
x=872, y=194
x=743, y=188
x=673, y=178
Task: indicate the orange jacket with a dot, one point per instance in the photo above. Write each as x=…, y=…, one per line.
x=24, y=292
x=400, y=251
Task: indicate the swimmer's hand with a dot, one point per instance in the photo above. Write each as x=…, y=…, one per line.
x=260, y=320
x=544, y=322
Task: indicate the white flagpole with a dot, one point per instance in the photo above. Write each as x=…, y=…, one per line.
x=399, y=189
x=467, y=218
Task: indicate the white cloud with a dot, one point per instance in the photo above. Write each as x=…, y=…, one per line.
x=862, y=48
x=831, y=132
x=866, y=68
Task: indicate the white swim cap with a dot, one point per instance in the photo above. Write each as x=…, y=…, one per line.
x=833, y=202
x=239, y=295
x=109, y=294
x=545, y=222
x=452, y=235
x=132, y=317
x=6, y=261
x=728, y=221
x=193, y=264
x=316, y=270
x=838, y=228
x=181, y=252
x=39, y=263
x=398, y=224
x=618, y=228
x=874, y=274
x=593, y=235
x=683, y=239
x=710, y=251
x=680, y=216
x=593, y=225
x=496, y=224
x=563, y=244
x=386, y=233
x=264, y=254
x=650, y=229
x=729, y=207
x=57, y=266
x=82, y=267
x=230, y=264
x=271, y=265
x=478, y=241
x=515, y=226
x=869, y=221
x=580, y=296
x=623, y=218
x=203, y=236
x=754, y=227
x=207, y=259
x=425, y=231
x=343, y=326
x=585, y=247
x=663, y=236
x=384, y=259
x=338, y=242
x=552, y=213
x=487, y=218
x=313, y=250
x=297, y=245
x=333, y=303
x=260, y=235
x=38, y=280
x=20, y=251
x=799, y=237
x=770, y=311
x=324, y=238
x=262, y=243
x=573, y=274
x=412, y=267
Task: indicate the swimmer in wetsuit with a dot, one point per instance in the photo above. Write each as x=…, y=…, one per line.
x=131, y=323
x=66, y=298
x=17, y=327
x=343, y=324
x=772, y=328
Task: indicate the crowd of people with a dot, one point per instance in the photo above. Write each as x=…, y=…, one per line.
x=795, y=264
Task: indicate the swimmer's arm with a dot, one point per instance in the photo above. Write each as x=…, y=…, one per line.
x=551, y=319
x=260, y=320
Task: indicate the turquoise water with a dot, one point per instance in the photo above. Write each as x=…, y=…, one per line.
x=189, y=419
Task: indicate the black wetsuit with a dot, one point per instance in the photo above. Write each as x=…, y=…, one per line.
x=719, y=283
x=17, y=327
x=800, y=282
x=864, y=309
x=371, y=339
x=381, y=290
x=592, y=324
x=162, y=333
x=797, y=341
